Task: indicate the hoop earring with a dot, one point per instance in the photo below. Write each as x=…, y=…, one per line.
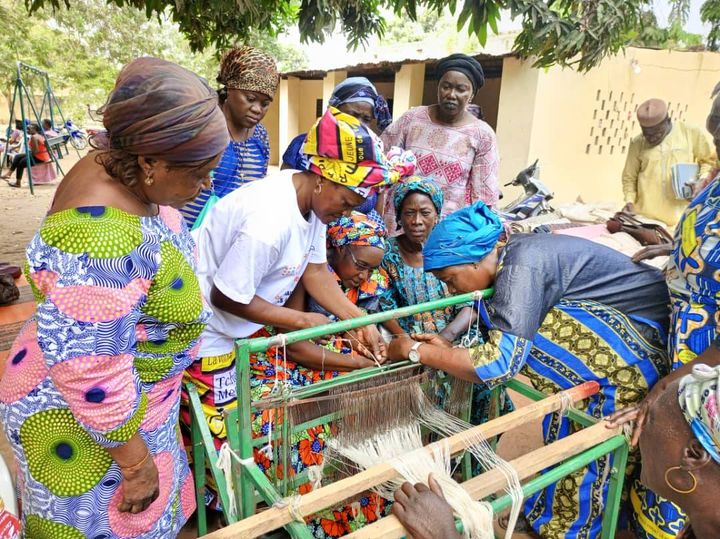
x=318, y=189
x=149, y=180
x=669, y=484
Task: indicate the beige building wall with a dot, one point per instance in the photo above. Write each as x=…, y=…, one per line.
x=310, y=92
x=4, y=111
x=332, y=79
x=272, y=124
x=579, y=124
x=515, y=120
x=408, y=90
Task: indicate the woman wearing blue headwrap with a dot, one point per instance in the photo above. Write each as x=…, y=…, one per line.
x=565, y=311
x=418, y=202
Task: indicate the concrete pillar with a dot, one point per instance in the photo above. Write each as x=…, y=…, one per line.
x=409, y=85
x=332, y=79
x=288, y=97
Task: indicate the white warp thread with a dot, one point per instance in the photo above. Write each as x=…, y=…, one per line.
x=224, y=463
x=448, y=425
x=402, y=447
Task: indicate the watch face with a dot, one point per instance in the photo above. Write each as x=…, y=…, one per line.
x=414, y=356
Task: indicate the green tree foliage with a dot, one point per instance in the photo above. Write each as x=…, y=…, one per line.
x=673, y=36
x=710, y=13
x=578, y=33
x=84, y=47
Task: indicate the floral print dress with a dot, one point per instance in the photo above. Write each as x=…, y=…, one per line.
x=119, y=312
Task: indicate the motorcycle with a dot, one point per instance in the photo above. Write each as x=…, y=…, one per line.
x=534, y=201
x=74, y=135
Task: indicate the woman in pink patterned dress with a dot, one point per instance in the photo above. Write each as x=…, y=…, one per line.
x=453, y=147
x=90, y=391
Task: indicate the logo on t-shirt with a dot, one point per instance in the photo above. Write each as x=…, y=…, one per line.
x=224, y=385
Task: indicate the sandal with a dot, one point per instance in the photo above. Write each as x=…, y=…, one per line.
x=645, y=233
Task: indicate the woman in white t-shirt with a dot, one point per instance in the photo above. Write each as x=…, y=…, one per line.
x=261, y=241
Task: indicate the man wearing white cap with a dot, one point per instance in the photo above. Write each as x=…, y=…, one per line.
x=647, y=177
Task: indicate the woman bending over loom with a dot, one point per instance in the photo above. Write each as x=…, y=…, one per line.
x=565, y=311
x=260, y=242
x=355, y=248
x=418, y=204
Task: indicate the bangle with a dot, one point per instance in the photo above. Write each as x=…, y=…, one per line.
x=137, y=466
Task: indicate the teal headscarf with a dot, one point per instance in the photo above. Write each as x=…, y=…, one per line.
x=417, y=184
x=463, y=237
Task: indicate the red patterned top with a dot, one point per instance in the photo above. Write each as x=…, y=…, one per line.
x=462, y=160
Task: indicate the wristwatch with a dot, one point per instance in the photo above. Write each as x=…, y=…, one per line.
x=414, y=355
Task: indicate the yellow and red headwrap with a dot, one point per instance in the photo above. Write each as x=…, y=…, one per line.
x=340, y=148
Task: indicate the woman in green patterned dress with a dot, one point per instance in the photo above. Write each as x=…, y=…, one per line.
x=90, y=393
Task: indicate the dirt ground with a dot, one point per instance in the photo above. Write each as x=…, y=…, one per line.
x=21, y=213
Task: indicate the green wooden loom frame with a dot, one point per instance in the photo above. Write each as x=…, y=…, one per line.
x=252, y=486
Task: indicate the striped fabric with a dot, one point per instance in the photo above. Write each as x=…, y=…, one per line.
x=241, y=163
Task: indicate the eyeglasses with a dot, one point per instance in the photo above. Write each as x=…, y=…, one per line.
x=359, y=265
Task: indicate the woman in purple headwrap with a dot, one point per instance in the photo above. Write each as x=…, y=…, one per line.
x=358, y=97
x=91, y=387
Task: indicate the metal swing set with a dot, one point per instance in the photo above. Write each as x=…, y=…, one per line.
x=25, y=97
x=250, y=486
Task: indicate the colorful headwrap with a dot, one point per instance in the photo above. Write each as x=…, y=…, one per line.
x=358, y=229
x=699, y=398
x=418, y=184
x=162, y=111
x=361, y=90
x=248, y=68
x=463, y=237
x=343, y=150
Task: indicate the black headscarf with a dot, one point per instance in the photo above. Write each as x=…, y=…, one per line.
x=467, y=65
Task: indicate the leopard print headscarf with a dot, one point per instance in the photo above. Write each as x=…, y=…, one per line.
x=248, y=68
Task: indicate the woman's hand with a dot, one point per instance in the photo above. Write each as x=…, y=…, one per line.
x=637, y=413
x=652, y=251
x=361, y=362
x=140, y=487
x=311, y=320
x=423, y=511
x=433, y=339
x=372, y=343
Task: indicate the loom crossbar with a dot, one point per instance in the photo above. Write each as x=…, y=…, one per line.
x=276, y=517
x=527, y=465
